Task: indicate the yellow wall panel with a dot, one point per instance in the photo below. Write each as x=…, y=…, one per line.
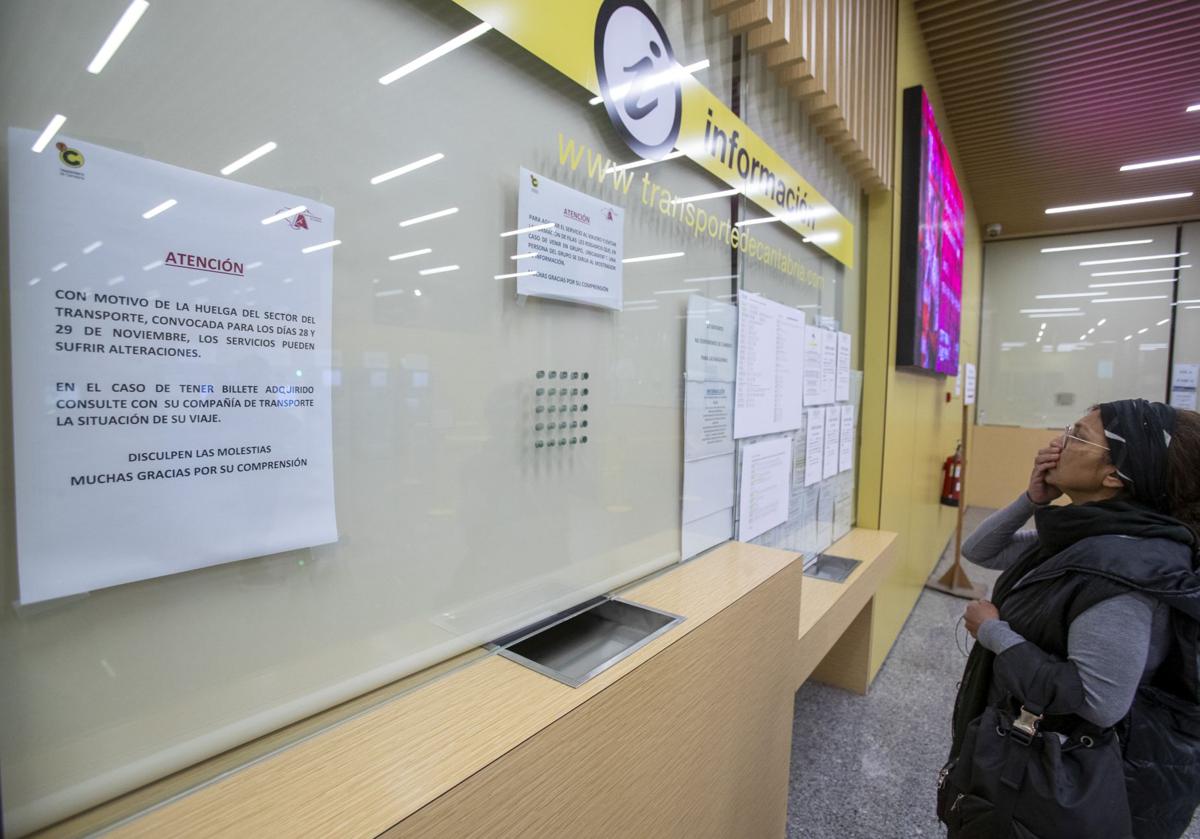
x=908, y=426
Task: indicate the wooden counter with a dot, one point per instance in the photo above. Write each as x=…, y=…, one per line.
x=689, y=736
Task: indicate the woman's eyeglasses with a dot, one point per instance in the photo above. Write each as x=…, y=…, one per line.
x=1067, y=435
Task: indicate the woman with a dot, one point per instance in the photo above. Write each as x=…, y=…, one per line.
x=1092, y=640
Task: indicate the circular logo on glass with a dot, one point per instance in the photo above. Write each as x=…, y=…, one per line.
x=639, y=79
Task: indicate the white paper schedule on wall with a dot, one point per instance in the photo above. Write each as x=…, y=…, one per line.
x=833, y=439
x=814, y=459
x=770, y=367
x=171, y=385
x=764, y=489
x=843, y=367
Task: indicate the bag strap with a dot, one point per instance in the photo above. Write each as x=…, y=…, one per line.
x=1021, y=734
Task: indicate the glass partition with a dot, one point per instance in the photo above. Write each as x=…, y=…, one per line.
x=1069, y=321
x=452, y=525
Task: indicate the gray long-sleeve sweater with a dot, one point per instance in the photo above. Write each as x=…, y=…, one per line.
x=1114, y=644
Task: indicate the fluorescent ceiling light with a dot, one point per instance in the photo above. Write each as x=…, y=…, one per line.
x=449, y=211
x=1133, y=282
x=711, y=279
x=704, y=196
x=1043, y=327
x=58, y=267
x=1181, y=302
x=119, y=33
x=1163, y=322
x=517, y=274
x=1133, y=258
x=265, y=148
x=1072, y=294
x=1170, y=161
x=1130, y=299
x=822, y=238
x=93, y=246
x=1101, y=245
x=407, y=254
x=417, y=292
x=635, y=164
x=750, y=221
x=529, y=229
x=654, y=81
x=435, y=53
x=150, y=266
x=282, y=214
x=48, y=132
x=1191, y=307
x=1191, y=108
x=1136, y=271
x=1102, y=321
x=161, y=208
x=1128, y=338
x=1120, y=202
x=120, y=278
x=1057, y=315
x=441, y=269
x=1143, y=330
x=389, y=293
x=405, y=169
x=333, y=243
x=653, y=257
x=1037, y=311
x=517, y=256
x=678, y=291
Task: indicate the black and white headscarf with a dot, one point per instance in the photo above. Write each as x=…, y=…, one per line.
x=1139, y=433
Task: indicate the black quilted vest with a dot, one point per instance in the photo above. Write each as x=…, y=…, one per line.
x=1161, y=733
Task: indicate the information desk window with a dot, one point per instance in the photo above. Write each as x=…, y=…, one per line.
x=285, y=429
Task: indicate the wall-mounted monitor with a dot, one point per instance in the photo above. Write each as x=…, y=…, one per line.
x=931, y=245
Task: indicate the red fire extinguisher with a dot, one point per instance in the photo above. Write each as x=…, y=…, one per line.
x=952, y=478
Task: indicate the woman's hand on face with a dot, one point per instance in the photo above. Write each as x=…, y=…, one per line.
x=1041, y=492
x=979, y=612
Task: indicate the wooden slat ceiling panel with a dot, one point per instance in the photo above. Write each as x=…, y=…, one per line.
x=1047, y=99
x=835, y=58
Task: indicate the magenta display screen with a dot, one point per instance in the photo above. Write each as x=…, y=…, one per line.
x=931, y=245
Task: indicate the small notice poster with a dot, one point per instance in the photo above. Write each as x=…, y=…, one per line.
x=171, y=351
x=571, y=245
x=764, y=490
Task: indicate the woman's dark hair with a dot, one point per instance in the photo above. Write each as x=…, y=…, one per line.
x=1183, y=470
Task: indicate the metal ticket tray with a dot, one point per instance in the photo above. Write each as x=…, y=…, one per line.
x=833, y=568
x=580, y=644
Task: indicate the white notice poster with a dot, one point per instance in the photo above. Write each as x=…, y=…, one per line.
x=171, y=368
x=572, y=241
x=711, y=340
x=770, y=367
x=829, y=358
x=1184, y=376
x=764, y=491
x=843, y=366
x=708, y=423
x=833, y=438
x=812, y=365
x=814, y=456
x=969, y=392
x=1183, y=386
x=846, y=455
